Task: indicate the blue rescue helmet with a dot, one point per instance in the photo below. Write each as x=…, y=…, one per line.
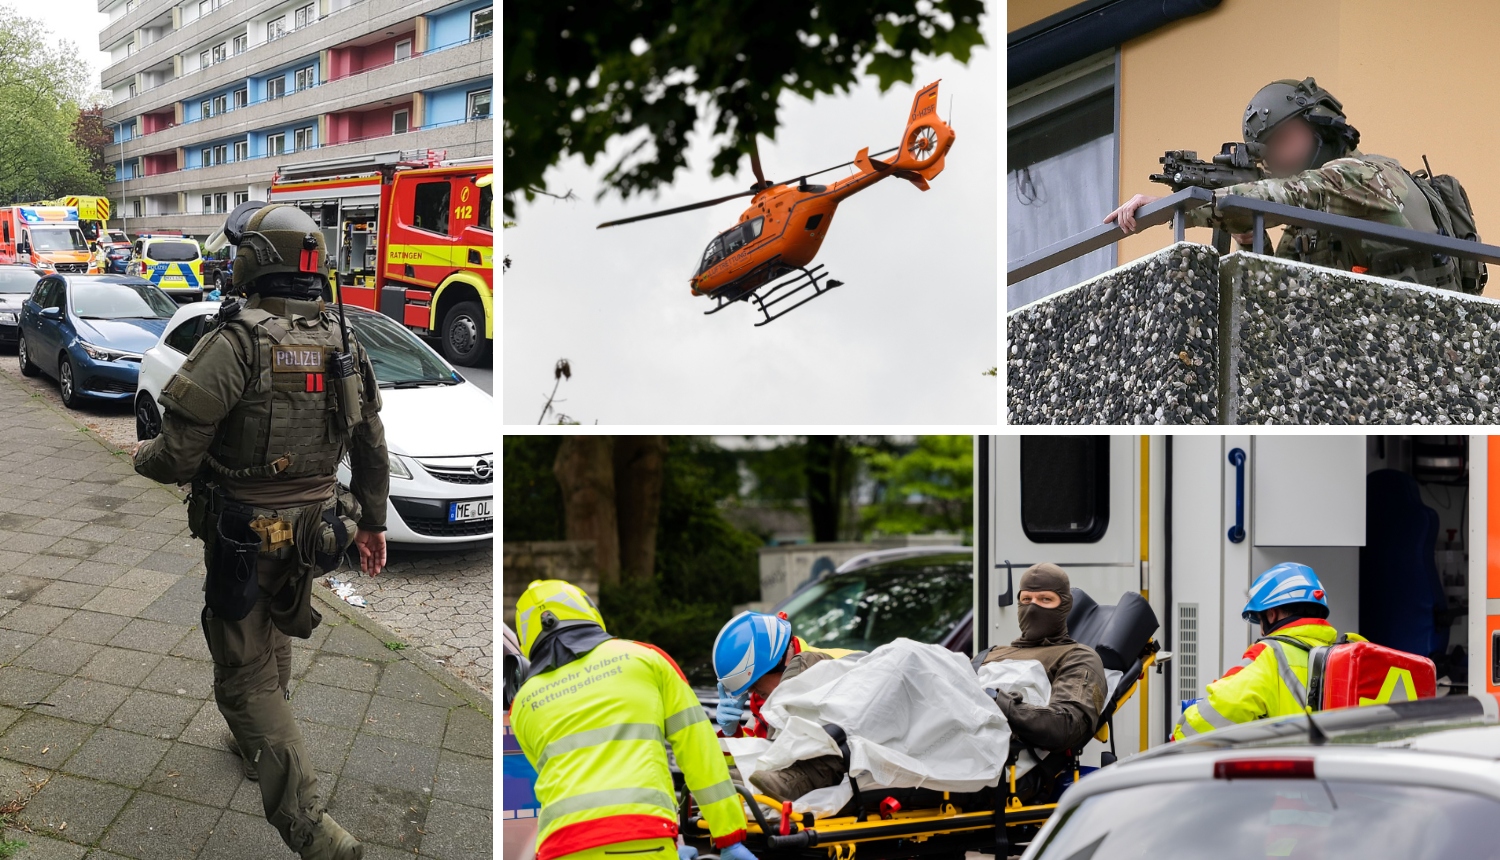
x=1288, y=582
x=749, y=646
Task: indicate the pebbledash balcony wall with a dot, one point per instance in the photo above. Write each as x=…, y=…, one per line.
x=1185, y=337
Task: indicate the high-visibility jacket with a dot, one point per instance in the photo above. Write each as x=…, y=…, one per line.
x=594, y=730
x=759, y=729
x=1270, y=681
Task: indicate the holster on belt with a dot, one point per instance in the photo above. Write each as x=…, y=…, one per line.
x=232, y=587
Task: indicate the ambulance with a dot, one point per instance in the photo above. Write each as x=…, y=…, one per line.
x=172, y=261
x=93, y=217
x=1403, y=532
x=411, y=236
x=48, y=237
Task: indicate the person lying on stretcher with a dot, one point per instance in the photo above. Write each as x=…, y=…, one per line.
x=1066, y=722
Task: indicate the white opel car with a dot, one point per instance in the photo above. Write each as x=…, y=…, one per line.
x=437, y=426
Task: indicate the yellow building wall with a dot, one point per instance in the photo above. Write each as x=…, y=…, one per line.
x=1414, y=79
x=1019, y=13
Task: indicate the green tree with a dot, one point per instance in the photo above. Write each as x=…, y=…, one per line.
x=929, y=488
x=42, y=85
x=533, y=503
x=577, y=75
x=704, y=565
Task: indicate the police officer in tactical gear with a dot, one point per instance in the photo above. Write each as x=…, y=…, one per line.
x=257, y=420
x=1310, y=152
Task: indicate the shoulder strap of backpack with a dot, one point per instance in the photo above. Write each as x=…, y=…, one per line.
x=1287, y=640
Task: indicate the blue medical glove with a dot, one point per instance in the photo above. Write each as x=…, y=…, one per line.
x=687, y=852
x=731, y=711
x=737, y=851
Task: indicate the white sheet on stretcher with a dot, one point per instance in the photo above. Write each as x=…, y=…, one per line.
x=915, y=715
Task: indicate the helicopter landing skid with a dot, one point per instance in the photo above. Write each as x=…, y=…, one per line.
x=764, y=302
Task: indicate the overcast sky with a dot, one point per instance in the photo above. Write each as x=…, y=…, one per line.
x=905, y=340
x=76, y=21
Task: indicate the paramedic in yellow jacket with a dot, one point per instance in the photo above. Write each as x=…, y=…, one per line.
x=1291, y=607
x=593, y=715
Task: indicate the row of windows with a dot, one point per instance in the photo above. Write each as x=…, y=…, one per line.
x=302, y=138
x=481, y=26
x=478, y=108
x=275, y=89
x=217, y=204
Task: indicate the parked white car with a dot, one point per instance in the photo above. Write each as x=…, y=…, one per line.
x=437, y=426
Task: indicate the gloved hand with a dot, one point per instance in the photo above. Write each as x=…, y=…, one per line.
x=687, y=852
x=731, y=711
x=737, y=851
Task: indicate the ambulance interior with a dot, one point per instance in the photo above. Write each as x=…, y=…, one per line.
x=1382, y=520
x=1411, y=576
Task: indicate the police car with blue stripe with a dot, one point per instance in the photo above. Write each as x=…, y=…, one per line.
x=172, y=262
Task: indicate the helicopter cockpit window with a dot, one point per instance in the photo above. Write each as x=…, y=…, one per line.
x=713, y=254
x=731, y=240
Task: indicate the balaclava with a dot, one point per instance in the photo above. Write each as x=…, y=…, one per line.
x=1040, y=625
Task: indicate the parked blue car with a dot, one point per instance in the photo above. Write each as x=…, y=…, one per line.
x=88, y=333
x=117, y=259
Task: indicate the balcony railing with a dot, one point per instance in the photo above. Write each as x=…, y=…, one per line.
x=1173, y=208
x=259, y=156
x=315, y=85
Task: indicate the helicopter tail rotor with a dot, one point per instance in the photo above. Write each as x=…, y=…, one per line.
x=927, y=139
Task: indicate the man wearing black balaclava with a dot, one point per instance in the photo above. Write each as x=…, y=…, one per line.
x=1076, y=674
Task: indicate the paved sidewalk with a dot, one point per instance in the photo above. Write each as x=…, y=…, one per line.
x=109, y=737
x=441, y=601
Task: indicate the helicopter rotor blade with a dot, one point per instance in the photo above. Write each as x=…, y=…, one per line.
x=690, y=207
x=760, y=178
x=761, y=184
x=837, y=166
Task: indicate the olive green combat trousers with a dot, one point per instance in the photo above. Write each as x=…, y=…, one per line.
x=252, y=668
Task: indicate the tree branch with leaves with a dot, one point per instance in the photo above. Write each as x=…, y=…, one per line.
x=578, y=75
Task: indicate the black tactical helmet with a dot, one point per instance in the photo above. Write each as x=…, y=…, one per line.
x=1281, y=100
x=279, y=248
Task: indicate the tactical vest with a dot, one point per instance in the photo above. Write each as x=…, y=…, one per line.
x=286, y=422
x=1398, y=263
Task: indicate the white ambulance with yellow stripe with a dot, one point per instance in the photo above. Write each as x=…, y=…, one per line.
x=171, y=261
x=411, y=236
x=1402, y=530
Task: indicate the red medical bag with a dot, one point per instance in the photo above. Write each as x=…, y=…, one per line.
x=1347, y=674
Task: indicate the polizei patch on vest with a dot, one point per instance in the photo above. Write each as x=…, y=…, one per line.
x=297, y=359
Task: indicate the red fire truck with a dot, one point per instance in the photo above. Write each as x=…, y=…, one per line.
x=411, y=236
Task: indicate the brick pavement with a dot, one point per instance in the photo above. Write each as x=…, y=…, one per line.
x=439, y=601
x=107, y=722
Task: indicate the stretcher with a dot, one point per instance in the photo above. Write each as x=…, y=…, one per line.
x=888, y=824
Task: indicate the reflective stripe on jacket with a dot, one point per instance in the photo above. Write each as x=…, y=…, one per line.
x=1270, y=681
x=595, y=731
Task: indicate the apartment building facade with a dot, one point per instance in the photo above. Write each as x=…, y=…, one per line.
x=211, y=96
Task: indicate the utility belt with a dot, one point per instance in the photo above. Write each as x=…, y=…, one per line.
x=239, y=535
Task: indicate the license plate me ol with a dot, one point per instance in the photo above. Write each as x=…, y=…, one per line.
x=477, y=509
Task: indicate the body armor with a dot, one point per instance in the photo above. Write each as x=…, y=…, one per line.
x=287, y=422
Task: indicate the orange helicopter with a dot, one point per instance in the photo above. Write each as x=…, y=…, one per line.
x=785, y=225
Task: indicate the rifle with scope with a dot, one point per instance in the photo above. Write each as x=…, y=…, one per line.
x=1236, y=163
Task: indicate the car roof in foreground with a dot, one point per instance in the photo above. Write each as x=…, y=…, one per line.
x=72, y=278
x=1452, y=742
x=1387, y=724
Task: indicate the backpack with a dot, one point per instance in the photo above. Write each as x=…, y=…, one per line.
x=1350, y=673
x=1455, y=217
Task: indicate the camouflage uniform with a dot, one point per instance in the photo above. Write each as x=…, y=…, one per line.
x=1371, y=187
x=250, y=421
